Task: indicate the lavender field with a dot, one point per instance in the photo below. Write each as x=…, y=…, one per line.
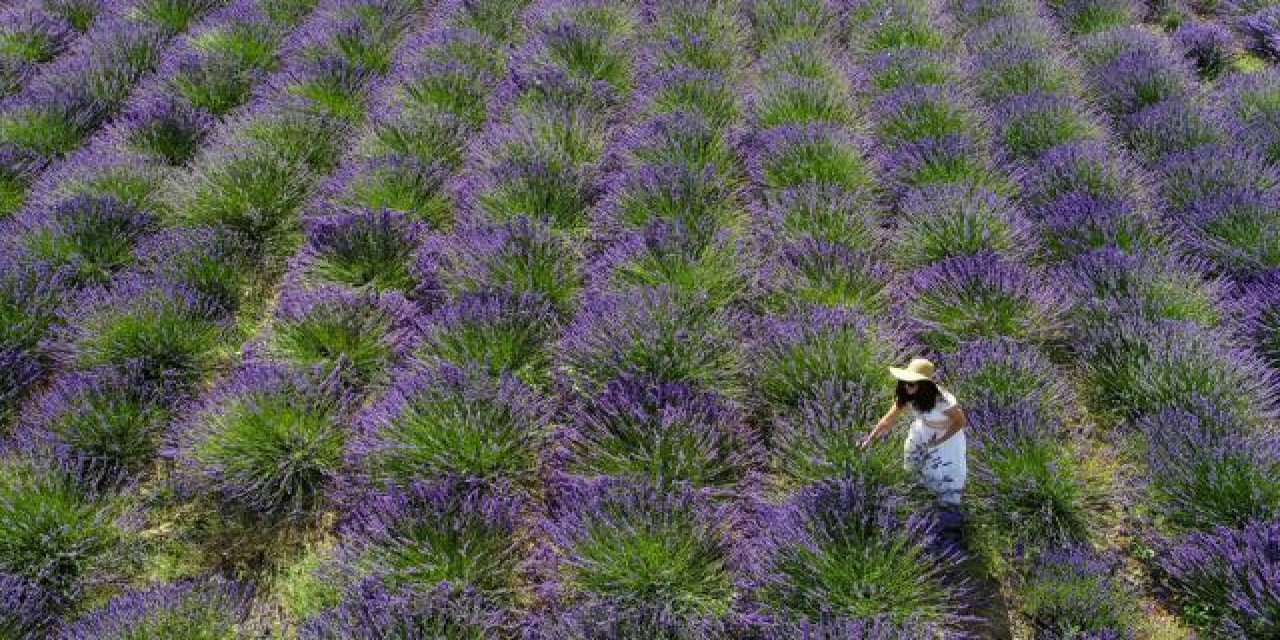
x=564, y=320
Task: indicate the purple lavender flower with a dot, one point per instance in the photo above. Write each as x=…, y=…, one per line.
x=603, y=621
x=449, y=532
x=1237, y=229
x=814, y=272
x=521, y=257
x=1260, y=305
x=682, y=137
x=25, y=608
x=105, y=420
x=1209, y=45
x=1211, y=172
x=358, y=335
x=370, y=612
x=199, y=610
x=661, y=434
x=708, y=93
x=1204, y=470
x=210, y=261
x=56, y=530
x=792, y=155
x=1252, y=111
x=1140, y=76
x=1228, y=578
x=818, y=439
x=495, y=332
x=1076, y=593
x=91, y=237
x=1028, y=125
x=1169, y=127
x=361, y=249
x=836, y=628
x=794, y=355
x=840, y=548
x=945, y=221
x=165, y=127
x=1089, y=167
x=828, y=214
x=1006, y=372
x=1263, y=28
x=1077, y=222
x=981, y=296
x=1153, y=284
x=166, y=330
x=1027, y=491
x=268, y=440
x=396, y=182
x=655, y=333
x=440, y=421
x=629, y=545
x=713, y=268
x=1136, y=366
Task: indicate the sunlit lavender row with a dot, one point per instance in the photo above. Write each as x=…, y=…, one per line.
x=567, y=319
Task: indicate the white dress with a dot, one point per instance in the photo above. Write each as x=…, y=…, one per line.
x=942, y=468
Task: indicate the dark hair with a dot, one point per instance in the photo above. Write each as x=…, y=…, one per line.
x=925, y=398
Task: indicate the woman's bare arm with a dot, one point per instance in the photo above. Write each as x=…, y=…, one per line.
x=883, y=425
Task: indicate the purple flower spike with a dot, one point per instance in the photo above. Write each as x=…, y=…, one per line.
x=1260, y=306
x=829, y=214
x=652, y=332
x=1154, y=284
x=637, y=546
x=428, y=533
x=981, y=296
x=1006, y=372
x=603, y=621
x=945, y=221
x=809, y=272
x=1205, y=469
x=1214, y=172
x=358, y=335
x=205, y=608
x=361, y=249
x=444, y=421
x=714, y=268
x=836, y=547
x=794, y=355
x=105, y=420
x=1233, y=575
x=874, y=628
x=1090, y=168
x=1078, y=222
x=370, y=612
x=1076, y=593
x=165, y=329
x=659, y=434
x=520, y=257
x=24, y=607
x=1263, y=28
x=269, y=441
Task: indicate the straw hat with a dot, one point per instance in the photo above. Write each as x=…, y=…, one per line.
x=918, y=369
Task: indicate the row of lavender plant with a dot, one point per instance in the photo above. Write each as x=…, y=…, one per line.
x=159, y=333
x=92, y=215
x=71, y=98
x=34, y=33
x=970, y=292
x=1187, y=403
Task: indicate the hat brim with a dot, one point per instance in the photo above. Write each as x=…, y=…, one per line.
x=906, y=375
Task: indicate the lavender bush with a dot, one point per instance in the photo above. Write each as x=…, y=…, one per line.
x=208, y=609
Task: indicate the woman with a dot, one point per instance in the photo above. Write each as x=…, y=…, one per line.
x=935, y=446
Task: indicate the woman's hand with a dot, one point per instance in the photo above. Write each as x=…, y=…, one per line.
x=871, y=437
